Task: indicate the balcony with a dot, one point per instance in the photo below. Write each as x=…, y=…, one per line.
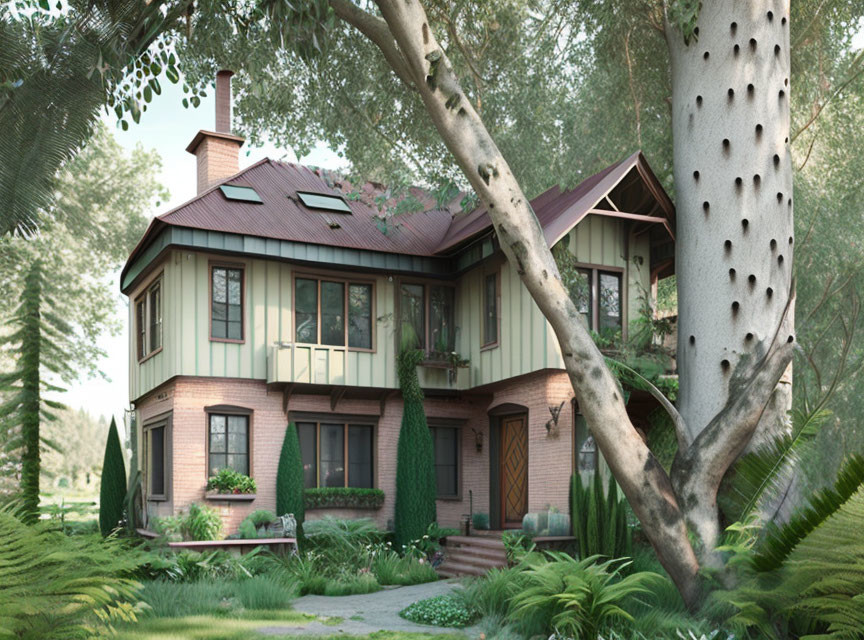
x=307, y=363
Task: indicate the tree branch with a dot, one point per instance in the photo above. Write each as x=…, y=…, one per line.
x=376, y=30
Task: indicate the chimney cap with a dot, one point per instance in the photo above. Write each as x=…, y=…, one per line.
x=199, y=137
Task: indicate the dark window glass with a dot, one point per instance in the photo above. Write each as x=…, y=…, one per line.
x=442, y=324
x=360, y=316
x=585, y=448
x=229, y=443
x=141, y=321
x=333, y=313
x=360, y=456
x=609, y=301
x=332, y=465
x=307, y=432
x=413, y=311
x=446, y=441
x=580, y=292
x=306, y=311
x=155, y=317
x=490, y=309
x=323, y=201
x=157, y=461
x=226, y=320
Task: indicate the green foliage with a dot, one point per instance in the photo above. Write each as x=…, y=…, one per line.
x=490, y=595
x=229, y=481
x=254, y=526
x=342, y=536
x=203, y=523
x=112, y=489
x=684, y=14
x=599, y=518
x=247, y=530
x=577, y=598
x=441, y=611
x=56, y=586
x=290, y=497
x=390, y=569
x=344, y=497
x=415, y=457
x=264, y=592
x=480, y=521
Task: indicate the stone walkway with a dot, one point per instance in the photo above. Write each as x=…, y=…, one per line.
x=367, y=613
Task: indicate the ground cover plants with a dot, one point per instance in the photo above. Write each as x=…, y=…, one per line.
x=441, y=611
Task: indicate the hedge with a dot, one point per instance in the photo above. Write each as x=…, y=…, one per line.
x=344, y=497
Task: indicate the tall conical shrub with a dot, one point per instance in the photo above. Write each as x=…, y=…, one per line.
x=599, y=518
x=112, y=491
x=415, y=457
x=290, y=485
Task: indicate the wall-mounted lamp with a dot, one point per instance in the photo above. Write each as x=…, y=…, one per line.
x=478, y=440
x=556, y=413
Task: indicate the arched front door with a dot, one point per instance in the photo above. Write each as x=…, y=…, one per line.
x=514, y=469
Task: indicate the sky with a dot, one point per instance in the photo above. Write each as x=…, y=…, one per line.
x=166, y=127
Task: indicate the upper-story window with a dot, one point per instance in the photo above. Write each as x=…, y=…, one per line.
x=490, y=309
x=428, y=316
x=597, y=295
x=333, y=312
x=148, y=320
x=226, y=303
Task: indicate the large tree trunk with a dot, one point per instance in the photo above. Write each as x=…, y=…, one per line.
x=733, y=183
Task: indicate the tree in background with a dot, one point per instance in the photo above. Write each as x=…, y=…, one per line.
x=75, y=464
x=415, y=457
x=66, y=266
x=41, y=338
x=290, y=485
x=112, y=490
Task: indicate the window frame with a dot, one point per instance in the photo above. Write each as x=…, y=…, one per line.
x=346, y=421
x=491, y=344
x=427, y=308
x=241, y=266
x=229, y=410
x=143, y=339
x=165, y=421
x=346, y=282
x=595, y=270
x=458, y=427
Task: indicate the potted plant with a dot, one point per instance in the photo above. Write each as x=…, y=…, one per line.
x=228, y=484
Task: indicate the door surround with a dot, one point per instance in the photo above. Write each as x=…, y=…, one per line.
x=497, y=416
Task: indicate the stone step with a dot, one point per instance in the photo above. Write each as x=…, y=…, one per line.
x=448, y=570
x=464, y=557
x=497, y=555
x=476, y=541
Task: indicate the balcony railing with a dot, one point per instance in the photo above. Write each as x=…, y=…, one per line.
x=308, y=363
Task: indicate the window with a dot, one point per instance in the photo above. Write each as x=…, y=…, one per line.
x=320, y=313
x=226, y=303
x=609, y=301
x=243, y=194
x=490, y=309
x=323, y=201
x=582, y=298
x=228, y=443
x=597, y=296
x=336, y=454
x=434, y=331
x=156, y=461
x=584, y=448
x=148, y=320
x=446, y=444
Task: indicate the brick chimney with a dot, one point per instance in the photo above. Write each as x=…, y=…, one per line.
x=218, y=151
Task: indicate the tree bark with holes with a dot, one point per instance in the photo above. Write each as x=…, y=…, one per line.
x=660, y=503
x=733, y=183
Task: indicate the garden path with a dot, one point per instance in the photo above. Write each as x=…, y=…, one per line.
x=366, y=613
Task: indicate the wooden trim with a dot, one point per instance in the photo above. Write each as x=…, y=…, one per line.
x=507, y=409
x=231, y=411
x=166, y=421
x=347, y=280
x=397, y=306
x=502, y=495
x=346, y=421
x=493, y=343
x=316, y=416
x=242, y=266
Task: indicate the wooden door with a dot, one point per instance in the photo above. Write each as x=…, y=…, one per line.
x=514, y=470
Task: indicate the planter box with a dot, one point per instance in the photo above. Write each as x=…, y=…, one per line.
x=237, y=497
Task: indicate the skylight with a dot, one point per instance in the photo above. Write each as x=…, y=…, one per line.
x=324, y=201
x=243, y=194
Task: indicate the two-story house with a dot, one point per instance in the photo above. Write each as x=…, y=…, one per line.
x=274, y=296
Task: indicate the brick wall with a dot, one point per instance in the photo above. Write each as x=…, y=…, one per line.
x=549, y=453
x=217, y=159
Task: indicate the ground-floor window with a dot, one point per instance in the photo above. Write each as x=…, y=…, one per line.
x=156, y=449
x=584, y=448
x=337, y=454
x=228, y=443
x=446, y=441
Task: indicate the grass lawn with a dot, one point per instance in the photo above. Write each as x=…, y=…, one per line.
x=220, y=628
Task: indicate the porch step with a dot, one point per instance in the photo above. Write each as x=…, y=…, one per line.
x=472, y=556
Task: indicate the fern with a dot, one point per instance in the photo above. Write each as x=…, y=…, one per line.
x=759, y=475
x=55, y=586
x=780, y=541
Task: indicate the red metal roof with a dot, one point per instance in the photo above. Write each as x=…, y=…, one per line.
x=431, y=231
